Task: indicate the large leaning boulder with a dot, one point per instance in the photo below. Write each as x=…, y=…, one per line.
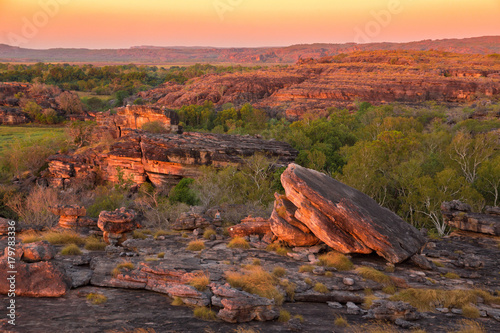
x=344, y=218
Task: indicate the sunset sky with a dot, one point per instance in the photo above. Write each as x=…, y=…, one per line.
x=227, y=23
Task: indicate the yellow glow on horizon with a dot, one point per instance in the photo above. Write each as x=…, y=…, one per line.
x=124, y=23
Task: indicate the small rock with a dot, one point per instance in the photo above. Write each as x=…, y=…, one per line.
x=422, y=262
x=312, y=259
x=334, y=305
x=353, y=308
x=196, y=232
x=456, y=311
x=254, y=238
x=483, y=313
x=406, y=324
x=348, y=281
x=443, y=310
x=295, y=325
x=319, y=271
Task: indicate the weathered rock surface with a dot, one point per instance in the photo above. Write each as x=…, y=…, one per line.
x=40, y=279
x=240, y=306
x=458, y=215
x=250, y=226
x=191, y=221
x=4, y=226
x=38, y=251
x=346, y=219
x=163, y=159
x=69, y=215
x=387, y=310
x=115, y=224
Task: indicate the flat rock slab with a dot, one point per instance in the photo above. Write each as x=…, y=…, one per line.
x=346, y=219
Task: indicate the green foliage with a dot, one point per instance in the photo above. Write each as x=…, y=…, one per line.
x=182, y=192
x=155, y=127
x=106, y=199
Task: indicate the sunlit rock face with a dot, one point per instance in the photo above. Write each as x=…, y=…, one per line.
x=342, y=217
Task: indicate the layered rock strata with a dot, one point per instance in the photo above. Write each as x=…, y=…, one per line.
x=115, y=225
x=342, y=217
x=459, y=215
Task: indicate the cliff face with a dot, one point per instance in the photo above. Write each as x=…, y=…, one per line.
x=163, y=159
x=376, y=77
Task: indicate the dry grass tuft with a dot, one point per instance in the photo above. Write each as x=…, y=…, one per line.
x=124, y=266
x=205, y=313
x=470, y=311
x=30, y=237
x=451, y=275
x=340, y=321
x=63, y=237
x=209, y=233
x=161, y=255
x=196, y=245
x=373, y=328
x=256, y=281
x=139, y=234
x=71, y=250
x=96, y=299
x=200, y=281
x=177, y=301
x=238, y=243
x=289, y=288
x=279, y=271
x=306, y=269
x=470, y=326
x=369, y=301
x=321, y=288
x=278, y=248
x=94, y=244
x=375, y=275
x=337, y=260
x=241, y=329
x=256, y=262
x=284, y=316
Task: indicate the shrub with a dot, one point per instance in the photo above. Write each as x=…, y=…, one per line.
x=340, y=321
x=94, y=244
x=200, y=281
x=106, y=199
x=155, y=127
x=182, y=192
x=284, y=316
x=279, y=271
x=63, y=237
x=238, y=243
x=306, y=269
x=209, y=232
x=256, y=281
x=96, y=299
x=34, y=208
x=470, y=311
x=71, y=250
x=321, y=288
x=204, y=313
x=196, y=245
x=337, y=260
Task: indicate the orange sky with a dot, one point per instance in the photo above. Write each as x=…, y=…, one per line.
x=125, y=23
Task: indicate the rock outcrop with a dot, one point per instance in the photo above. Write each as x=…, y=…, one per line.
x=250, y=226
x=116, y=224
x=191, y=221
x=68, y=215
x=344, y=218
x=38, y=251
x=459, y=215
x=163, y=159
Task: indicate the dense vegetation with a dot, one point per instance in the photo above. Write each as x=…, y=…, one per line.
x=409, y=159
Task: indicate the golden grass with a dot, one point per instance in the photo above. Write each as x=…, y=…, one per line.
x=429, y=299
x=204, y=313
x=256, y=281
x=177, y=301
x=328, y=274
x=470, y=311
x=299, y=317
x=337, y=260
x=238, y=243
x=138, y=234
x=161, y=255
x=391, y=290
x=29, y=237
x=374, y=275
x=241, y=329
x=390, y=269
x=284, y=316
x=71, y=250
x=94, y=244
x=200, y=281
x=121, y=267
x=256, y=262
x=368, y=291
x=308, y=281
x=196, y=245
x=321, y=288
x=340, y=321
x=438, y=263
x=209, y=233
x=279, y=271
x=278, y=248
x=369, y=301
x=451, y=275
x=163, y=233
x=306, y=269
x=289, y=288
x=470, y=326
x=96, y=299
x=63, y=237
x=373, y=328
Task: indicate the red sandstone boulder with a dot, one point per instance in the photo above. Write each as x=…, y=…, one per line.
x=41, y=279
x=4, y=226
x=115, y=224
x=39, y=251
x=346, y=219
x=190, y=221
x=250, y=226
x=68, y=215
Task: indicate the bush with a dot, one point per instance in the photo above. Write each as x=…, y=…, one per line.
x=155, y=127
x=106, y=199
x=196, y=245
x=71, y=250
x=183, y=193
x=34, y=208
x=238, y=243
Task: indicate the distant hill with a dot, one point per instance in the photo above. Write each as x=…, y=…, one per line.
x=263, y=55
